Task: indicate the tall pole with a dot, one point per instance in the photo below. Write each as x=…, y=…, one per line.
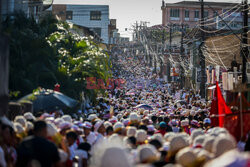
x=244, y=50
x=202, y=57
x=170, y=50
x=182, y=55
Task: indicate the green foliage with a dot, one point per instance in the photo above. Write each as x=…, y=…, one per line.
x=45, y=53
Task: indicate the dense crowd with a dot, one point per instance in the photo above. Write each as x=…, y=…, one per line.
x=147, y=122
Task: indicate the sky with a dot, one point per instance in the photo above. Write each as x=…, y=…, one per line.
x=127, y=12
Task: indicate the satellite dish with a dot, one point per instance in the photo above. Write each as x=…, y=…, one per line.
x=47, y=4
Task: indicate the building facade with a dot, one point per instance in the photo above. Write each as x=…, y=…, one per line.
x=95, y=17
x=28, y=7
x=189, y=13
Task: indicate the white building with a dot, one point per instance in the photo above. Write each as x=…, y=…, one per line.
x=95, y=17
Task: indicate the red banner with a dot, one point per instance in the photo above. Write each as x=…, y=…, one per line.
x=232, y=124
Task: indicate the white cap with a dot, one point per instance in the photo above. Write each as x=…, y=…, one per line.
x=20, y=119
x=87, y=125
x=67, y=118
x=147, y=154
x=98, y=125
x=131, y=131
x=118, y=126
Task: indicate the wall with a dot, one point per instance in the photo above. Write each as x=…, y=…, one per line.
x=81, y=16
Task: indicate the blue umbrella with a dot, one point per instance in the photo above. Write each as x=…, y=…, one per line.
x=49, y=100
x=144, y=106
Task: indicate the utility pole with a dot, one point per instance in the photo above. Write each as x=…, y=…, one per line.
x=244, y=50
x=182, y=55
x=202, y=57
x=170, y=50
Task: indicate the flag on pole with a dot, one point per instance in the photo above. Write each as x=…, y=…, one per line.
x=218, y=108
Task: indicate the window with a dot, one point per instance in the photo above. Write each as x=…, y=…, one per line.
x=174, y=12
x=69, y=15
x=186, y=13
x=98, y=31
x=95, y=15
x=206, y=14
x=196, y=14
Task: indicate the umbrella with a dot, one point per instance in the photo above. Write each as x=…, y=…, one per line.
x=145, y=106
x=130, y=93
x=182, y=102
x=49, y=100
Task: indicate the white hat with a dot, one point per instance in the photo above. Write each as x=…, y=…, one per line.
x=147, y=154
x=98, y=125
x=29, y=116
x=230, y=159
x=131, y=131
x=158, y=136
x=168, y=136
x=141, y=135
x=57, y=121
x=208, y=143
x=64, y=125
x=114, y=157
x=51, y=129
x=178, y=142
x=134, y=117
x=185, y=122
x=223, y=144
x=185, y=157
x=91, y=117
x=118, y=126
x=20, y=119
x=29, y=126
x=87, y=125
x=113, y=120
x=107, y=124
x=18, y=128
x=199, y=140
x=67, y=118
x=195, y=133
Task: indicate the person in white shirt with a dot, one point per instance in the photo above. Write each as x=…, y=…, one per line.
x=82, y=154
x=99, y=131
x=89, y=136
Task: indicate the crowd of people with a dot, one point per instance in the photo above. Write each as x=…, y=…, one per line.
x=145, y=123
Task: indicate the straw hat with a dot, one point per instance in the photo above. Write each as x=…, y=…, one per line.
x=67, y=118
x=131, y=131
x=185, y=157
x=199, y=140
x=178, y=142
x=223, y=144
x=118, y=127
x=141, y=135
x=168, y=136
x=98, y=125
x=18, y=128
x=147, y=154
x=232, y=158
x=195, y=133
x=51, y=129
x=29, y=126
x=20, y=119
x=208, y=143
x=107, y=124
x=29, y=116
x=114, y=157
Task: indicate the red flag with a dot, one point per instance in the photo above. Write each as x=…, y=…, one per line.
x=219, y=108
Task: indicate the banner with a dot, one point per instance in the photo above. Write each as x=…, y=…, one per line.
x=232, y=124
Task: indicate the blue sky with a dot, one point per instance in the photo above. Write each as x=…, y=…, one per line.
x=128, y=12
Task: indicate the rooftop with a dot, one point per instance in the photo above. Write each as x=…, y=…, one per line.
x=197, y=3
